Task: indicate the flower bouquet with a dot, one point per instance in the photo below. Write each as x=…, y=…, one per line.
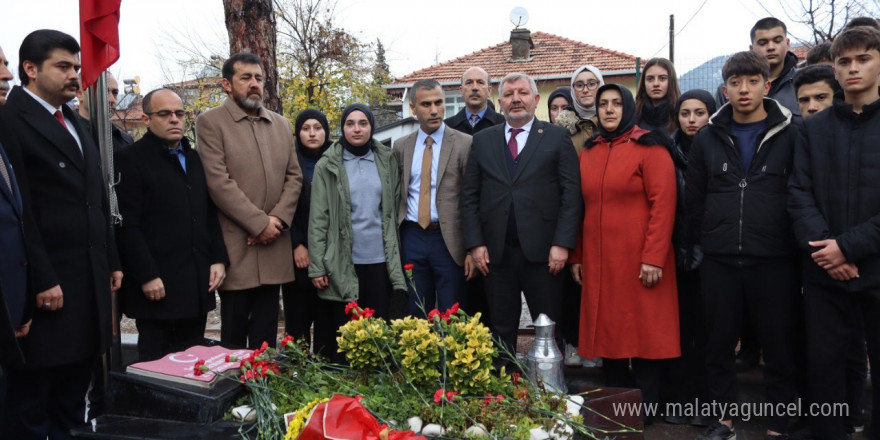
x=430, y=377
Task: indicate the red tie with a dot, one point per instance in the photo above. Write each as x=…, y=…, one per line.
x=60, y=118
x=511, y=144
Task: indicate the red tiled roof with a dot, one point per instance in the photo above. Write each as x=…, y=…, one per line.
x=552, y=55
x=133, y=113
x=801, y=51
x=200, y=82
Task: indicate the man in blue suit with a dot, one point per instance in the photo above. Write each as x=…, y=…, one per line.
x=15, y=306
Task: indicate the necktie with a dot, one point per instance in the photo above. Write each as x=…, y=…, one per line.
x=425, y=184
x=178, y=154
x=5, y=174
x=474, y=118
x=60, y=118
x=511, y=144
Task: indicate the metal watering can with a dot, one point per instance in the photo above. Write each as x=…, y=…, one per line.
x=544, y=360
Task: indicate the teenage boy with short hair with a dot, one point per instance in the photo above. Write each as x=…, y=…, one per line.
x=835, y=206
x=735, y=205
x=815, y=87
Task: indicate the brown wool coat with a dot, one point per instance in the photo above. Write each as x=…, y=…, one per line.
x=252, y=172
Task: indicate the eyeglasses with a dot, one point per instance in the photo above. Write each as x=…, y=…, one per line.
x=591, y=85
x=166, y=113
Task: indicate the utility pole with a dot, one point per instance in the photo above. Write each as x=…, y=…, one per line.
x=672, y=37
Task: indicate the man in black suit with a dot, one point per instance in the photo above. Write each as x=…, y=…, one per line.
x=521, y=208
x=73, y=259
x=170, y=240
x=476, y=115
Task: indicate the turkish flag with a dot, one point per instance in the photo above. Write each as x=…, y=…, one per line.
x=99, y=37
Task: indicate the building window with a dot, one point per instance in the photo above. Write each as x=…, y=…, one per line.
x=454, y=103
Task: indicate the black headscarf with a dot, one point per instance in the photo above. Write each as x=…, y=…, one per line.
x=560, y=92
x=628, y=116
x=301, y=119
x=706, y=98
x=363, y=149
x=700, y=94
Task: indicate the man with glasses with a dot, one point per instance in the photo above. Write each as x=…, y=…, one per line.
x=254, y=179
x=170, y=240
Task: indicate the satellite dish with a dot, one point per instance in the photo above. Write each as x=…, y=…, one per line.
x=519, y=16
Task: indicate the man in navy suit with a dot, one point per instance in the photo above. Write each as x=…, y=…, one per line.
x=15, y=305
x=72, y=256
x=521, y=209
x=14, y=310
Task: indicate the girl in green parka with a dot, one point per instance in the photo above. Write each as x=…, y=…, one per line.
x=353, y=244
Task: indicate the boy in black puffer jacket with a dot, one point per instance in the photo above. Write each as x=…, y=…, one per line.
x=735, y=204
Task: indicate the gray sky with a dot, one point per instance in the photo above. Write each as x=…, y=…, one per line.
x=416, y=33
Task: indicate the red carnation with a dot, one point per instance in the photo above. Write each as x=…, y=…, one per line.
x=438, y=395
x=351, y=306
x=434, y=314
x=452, y=310
x=408, y=267
x=367, y=312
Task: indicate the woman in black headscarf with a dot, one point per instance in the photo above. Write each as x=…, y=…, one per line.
x=625, y=259
x=685, y=378
x=354, y=252
x=301, y=303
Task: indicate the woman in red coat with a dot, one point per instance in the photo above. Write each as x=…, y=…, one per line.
x=629, y=306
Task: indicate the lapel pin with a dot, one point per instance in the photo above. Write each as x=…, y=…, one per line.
x=540, y=130
x=62, y=164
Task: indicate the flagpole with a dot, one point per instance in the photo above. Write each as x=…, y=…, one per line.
x=99, y=113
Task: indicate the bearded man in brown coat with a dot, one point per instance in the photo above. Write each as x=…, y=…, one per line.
x=254, y=179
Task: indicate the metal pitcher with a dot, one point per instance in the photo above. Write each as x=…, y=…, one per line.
x=544, y=360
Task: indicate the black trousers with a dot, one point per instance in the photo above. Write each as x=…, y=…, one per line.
x=836, y=320
x=158, y=337
x=46, y=402
x=303, y=310
x=249, y=317
x=512, y=275
x=684, y=378
x=768, y=291
x=374, y=291
x=571, y=309
x=645, y=375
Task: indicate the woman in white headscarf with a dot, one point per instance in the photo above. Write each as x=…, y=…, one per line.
x=581, y=122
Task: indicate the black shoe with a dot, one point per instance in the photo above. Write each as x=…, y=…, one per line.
x=675, y=420
x=717, y=431
x=776, y=437
x=702, y=420
x=747, y=361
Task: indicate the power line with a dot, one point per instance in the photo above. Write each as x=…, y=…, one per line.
x=683, y=27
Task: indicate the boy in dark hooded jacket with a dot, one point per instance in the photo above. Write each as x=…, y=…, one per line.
x=835, y=207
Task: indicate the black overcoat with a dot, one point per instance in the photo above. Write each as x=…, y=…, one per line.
x=169, y=230
x=69, y=241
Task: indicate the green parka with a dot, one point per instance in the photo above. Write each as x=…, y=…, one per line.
x=330, y=232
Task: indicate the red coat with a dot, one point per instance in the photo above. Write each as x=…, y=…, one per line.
x=629, y=192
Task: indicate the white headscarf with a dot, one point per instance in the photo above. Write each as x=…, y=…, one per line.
x=584, y=112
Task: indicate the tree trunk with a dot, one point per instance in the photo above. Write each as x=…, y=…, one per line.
x=251, y=28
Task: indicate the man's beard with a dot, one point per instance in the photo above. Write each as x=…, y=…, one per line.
x=247, y=103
